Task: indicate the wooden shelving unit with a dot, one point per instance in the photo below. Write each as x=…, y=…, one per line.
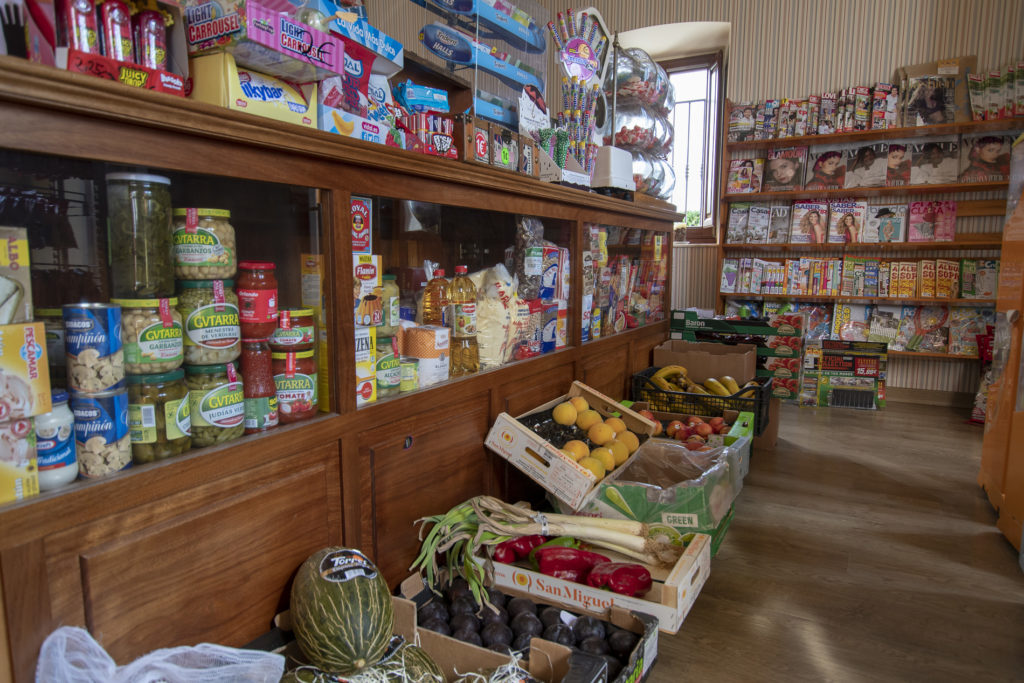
x=977, y=241
x=859, y=299
x=949, y=188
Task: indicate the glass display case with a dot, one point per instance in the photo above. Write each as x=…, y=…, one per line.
x=445, y=292
x=143, y=279
x=624, y=274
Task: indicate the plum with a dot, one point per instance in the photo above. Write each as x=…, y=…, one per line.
x=550, y=615
x=588, y=627
x=517, y=605
x=438, y=626
x=622, y=643
x=465, y=622
x=559, y=633
x=489, y=616
x=496, y=634
x=497, y=597
x=614, y=666
x=432, y=610
x=521, y=643
x=464, y=604
x=594, y=646
x=524, y=622
x=467, y=636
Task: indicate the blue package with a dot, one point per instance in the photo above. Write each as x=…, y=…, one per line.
x=420, y=98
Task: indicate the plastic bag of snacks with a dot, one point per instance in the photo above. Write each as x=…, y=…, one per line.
x=70, y=655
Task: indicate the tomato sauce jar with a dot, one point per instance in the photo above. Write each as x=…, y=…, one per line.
x=295, y=381
x=259, y=387
x=256, y=287
x=295, y=331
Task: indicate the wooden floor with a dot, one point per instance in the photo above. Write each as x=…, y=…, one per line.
x=862, y=550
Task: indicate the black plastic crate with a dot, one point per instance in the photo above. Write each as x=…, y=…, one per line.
x=704, y=404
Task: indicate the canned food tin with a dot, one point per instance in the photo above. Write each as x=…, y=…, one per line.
x=101, y=432
x=410, y=374
x=92, y=344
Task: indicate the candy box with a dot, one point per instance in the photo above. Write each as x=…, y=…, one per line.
x=218, y=80
x=265, y=40
x=366, y=365
x=15, y=281
x=24, y=371
x=19, y=477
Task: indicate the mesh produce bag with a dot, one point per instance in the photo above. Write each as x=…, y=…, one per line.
x=70, y=655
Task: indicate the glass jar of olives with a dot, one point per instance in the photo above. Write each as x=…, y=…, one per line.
x=139, y=235
x=159, y=419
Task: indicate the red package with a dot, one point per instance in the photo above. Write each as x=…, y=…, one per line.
x=78, y=26
x=150, y=39
x=116, y=20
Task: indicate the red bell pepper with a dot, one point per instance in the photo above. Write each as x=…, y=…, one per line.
x=620, y=577
x=557, y=542
x=567, y=561
x=517, y=548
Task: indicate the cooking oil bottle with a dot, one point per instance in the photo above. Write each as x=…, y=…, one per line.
x=436, y=300
x=465, y=358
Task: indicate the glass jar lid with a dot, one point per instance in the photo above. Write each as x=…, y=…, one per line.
x=213, y=213
x=220, y=368
x=143, y=303
x=158, y=378
x=204, y=284
x=139, y=177
x=277, y=355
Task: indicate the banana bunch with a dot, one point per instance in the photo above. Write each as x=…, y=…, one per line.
x=672, y=380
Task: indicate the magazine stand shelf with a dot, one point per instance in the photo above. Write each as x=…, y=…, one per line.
x=994, y=204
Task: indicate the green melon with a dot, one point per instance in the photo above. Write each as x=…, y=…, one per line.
x=341, y=611
x=411, y=663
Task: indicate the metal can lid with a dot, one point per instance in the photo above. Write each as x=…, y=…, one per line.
x=257, y=265
x=98, y=394
x=88, y=305
x=298, y=312
x=144, y=303
x=139, y=177
x=157, y=378
x=210, y=369
x=203, y=284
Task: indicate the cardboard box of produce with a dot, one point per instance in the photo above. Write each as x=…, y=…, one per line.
x=24, y=371
x=455, y=658
x=19, y=477
x=741, y=426
x=669, y=600
x=554, y=662
x=15, y=279
x=543, y=462
x=216, y=79
x=676, y=491
x=706, y=360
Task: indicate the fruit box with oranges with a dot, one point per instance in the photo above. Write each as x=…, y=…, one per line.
x=673, y=592
x=542, y=461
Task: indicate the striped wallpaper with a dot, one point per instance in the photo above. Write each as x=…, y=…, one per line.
x=793, y=48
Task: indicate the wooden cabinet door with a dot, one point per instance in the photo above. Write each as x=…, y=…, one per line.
x=608, y=371
x=211, y=564
x=419, y=466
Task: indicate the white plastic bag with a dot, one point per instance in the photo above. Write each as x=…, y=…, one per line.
x=71, y=655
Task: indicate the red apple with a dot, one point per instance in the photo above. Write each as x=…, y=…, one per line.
x=716, y=423
x=724, y=429
x=672, y=428
x=693, y=420
x=694, y=445
x=683, y=433
x=704, y=429
x=648, y=414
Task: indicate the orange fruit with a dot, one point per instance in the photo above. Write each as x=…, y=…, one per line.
x=587, y=419
x=564, y=414
x=606, y=457
x=579, y=403
x=577, y=449
x=600, y=434
x=615, y=423
x=594, y=465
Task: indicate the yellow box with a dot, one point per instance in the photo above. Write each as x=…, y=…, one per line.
x=15, y=281
x=24, y=371
x=218, y=80
x=19, y=477
x=366, y=365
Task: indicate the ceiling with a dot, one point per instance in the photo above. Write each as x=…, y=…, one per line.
x=673, y=41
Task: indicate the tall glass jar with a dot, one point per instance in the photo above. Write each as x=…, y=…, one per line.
x=390, y=299
x=257, y=299
x=260, y=390
x=159, y=416
x=139, y=235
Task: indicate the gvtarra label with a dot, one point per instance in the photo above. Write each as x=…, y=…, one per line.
x=199, y=248
x=155, y=344
x=213, y=329
x=221, y=407
x=297, y=392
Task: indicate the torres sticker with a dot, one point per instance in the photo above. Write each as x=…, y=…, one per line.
x=344, y=565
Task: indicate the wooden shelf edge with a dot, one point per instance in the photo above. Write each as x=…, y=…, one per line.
x=857, y=299
x=931, y=354
x=45, y=87
x=887, y=134
x=947, y=188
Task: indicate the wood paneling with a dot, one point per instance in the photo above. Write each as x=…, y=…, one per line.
x=26, y=604
x=608, y=370
x=421, y=465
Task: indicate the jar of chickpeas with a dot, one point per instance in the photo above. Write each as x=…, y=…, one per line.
x=204, y=244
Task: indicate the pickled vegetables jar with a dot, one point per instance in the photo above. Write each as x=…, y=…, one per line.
x=139, y=235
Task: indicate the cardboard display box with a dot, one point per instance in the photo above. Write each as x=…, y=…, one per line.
x=25, y=371
x=672, y=595
x=554, y=662
x=543, y=462
x=705, y=360
x=19, y=476
x=15, y=277
x=741, y=425
x=218, y=80
x=474, y=138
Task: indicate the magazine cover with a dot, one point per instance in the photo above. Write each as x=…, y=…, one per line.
x=846, y=220
x=930, y=331
x=906, y=328
x=968, y=274
x=826, y=168
x=930, y=100
x=827, y=114
x=932, y=221
x=862, y=107
x=985, y=158
x=926, y=279
x=897, y=165
x=850, y=322
x=736, y=232
x=935, y=162
x=784, y=169
x=885, y=223
x=965, y=325
x=809, y=224
x=866, y=165
x=744, y=176
x=986, y=278
x=758, y=218
x=730, y=272
x=885, y=324
x=741, y=122
x=778, y=224
x=819, y=320
x=947, y=278
x=770, y=120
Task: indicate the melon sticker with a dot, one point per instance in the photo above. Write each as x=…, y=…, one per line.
x=344, y=565
x=221, y=407
x=206, y=326
x=199, y=248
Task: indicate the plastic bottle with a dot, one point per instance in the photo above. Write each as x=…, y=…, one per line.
x=465, y=358
x=436, y=300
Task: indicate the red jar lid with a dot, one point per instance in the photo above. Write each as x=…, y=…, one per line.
x=255, y=341
x=257, y=265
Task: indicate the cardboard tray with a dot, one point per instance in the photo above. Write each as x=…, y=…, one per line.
x=669, y=601
x=551, y=661
x=543, y=462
